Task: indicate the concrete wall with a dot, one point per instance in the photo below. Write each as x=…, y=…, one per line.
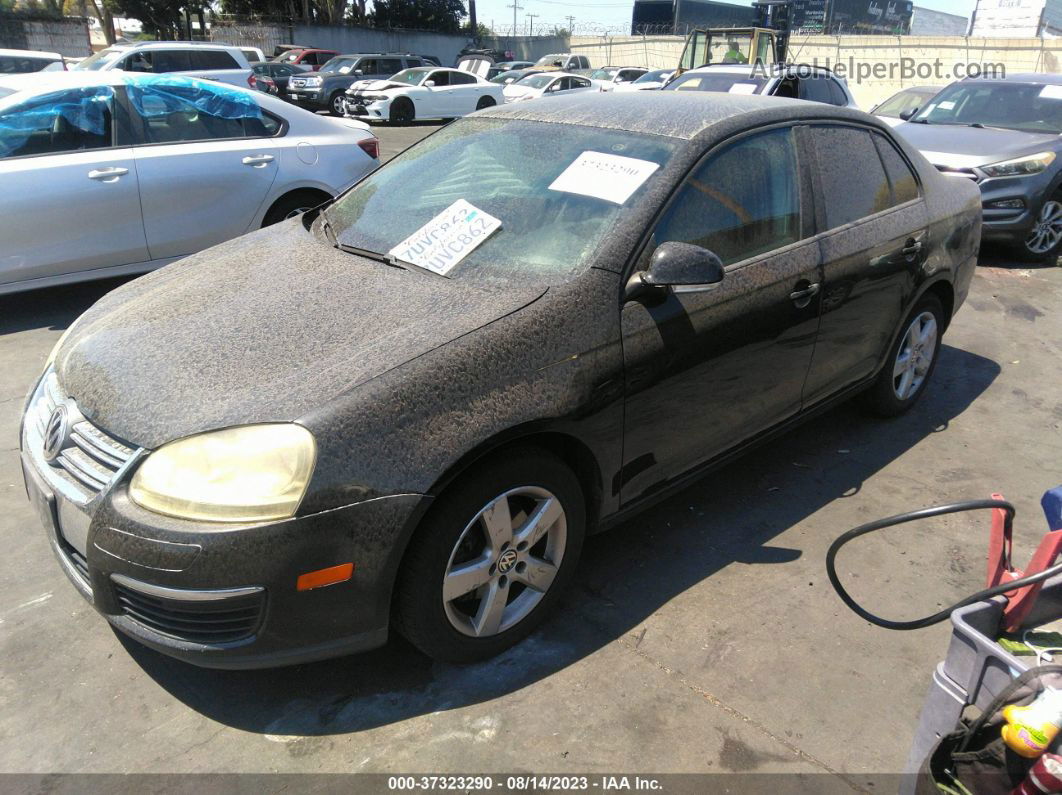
x=68, y=36
x=348, y=38
x=875, y=66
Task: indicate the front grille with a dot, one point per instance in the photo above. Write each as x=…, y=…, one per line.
x=211, y=621
x=90, y=458
x=965, y=173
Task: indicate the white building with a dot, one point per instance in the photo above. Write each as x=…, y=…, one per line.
x=1019, y=18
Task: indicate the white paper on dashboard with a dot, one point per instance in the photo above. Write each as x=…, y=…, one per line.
x=447, y=238
x=743, y=88
x=610, y=177
x=1051, y=92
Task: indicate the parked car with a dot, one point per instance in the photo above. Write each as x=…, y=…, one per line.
x=421, y=93
x=793, y=81
x=608, y=78
x=904, y=104
x=515, y=75
x=506, y=66
x=313, y=58
x=1003, y=136
x=280, y=49
x=563, y=62
x=253, y=54
x=200, y=162
x=266, y=84
x=22, y=61
x=326, y=90
x=649, y=81
x=545, y=84
x=409, y=408
x=279, y=73
x=193, y=59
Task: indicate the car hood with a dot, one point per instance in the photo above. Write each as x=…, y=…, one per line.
x=377, y=85
x=263, y=328
x=954, y=146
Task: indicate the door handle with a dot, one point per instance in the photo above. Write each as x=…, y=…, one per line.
x=257, y=161
x=803, y=297
x=110, y=174
x=911, y=247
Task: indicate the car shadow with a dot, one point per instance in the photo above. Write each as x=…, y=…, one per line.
x=53, y=307
x=994, y=255
x=625, y=576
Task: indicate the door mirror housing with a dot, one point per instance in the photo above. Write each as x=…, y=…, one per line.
x=682, y=267
x=359, y=72
x=429, y=84
x=907, y=115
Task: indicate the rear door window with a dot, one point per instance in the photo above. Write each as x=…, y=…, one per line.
x=212, y=59
x=814, y=89
x=837, y=95
x=390, y=66
x=179, y=113
x=850, y=193
x=901, y=177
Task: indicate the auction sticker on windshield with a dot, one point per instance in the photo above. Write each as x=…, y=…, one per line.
x=447, y=238
x=610, y=177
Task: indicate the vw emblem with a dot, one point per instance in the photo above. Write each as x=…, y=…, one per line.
x=55, y=433
x=507, y=560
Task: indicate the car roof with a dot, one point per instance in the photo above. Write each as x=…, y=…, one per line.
x=678, y=114
x=32, y=53
x=169, y=45
x=1027, y=77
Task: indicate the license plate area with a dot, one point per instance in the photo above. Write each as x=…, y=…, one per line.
x=42, y=500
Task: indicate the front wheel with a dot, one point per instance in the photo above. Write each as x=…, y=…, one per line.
x=401, y=111
x=337, y=105
x=1044, y=241
x=911, y=362
x=485, y=102
x=492, y=558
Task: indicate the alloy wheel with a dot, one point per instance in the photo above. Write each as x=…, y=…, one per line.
x=915, y=356
x=1047, y=231
x=504, y=561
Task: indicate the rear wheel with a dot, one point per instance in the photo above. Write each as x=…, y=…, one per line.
x=401, y=111
x=1044, y=242
x=485, y=102
x=292, y=204
x=911, y=362
x=492, y=558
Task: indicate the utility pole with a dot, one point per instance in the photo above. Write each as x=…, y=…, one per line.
x=515, y=6
x=571, y=25
x=531, y=24
x=473, y=24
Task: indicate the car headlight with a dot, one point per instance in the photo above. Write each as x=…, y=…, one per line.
x=313, y=82
x=249, y=473
x=1020, y=166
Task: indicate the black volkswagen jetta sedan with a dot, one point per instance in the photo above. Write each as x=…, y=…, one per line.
x=408, y=409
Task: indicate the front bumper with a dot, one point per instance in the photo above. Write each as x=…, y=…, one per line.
x=309, y=98
x=218, y=595
x=358, y=108
x=1013, y=224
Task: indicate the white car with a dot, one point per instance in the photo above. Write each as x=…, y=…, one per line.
x=649, y=81
x=195, y=164
x=22, y=61
x=424, y=92
x=218, y=62
x=608, y=78
x=546, y=84
x=792, y=81
x=904, y=104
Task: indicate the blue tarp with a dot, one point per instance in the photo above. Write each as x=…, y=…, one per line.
x=85, y=109
x=160, y=95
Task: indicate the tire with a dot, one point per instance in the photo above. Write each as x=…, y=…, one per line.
x=336, y=104
x=1044, y=241
x=401, y=112
x=292, y=204
x=911, y=362
x=485, y=102
x=457, y=625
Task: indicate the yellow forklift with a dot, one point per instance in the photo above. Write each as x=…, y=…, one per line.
x=764, y=44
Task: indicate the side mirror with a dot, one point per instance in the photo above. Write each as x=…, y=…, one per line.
x=680, y=266
x=907, y=115
x=429, y=84
x=358, y=72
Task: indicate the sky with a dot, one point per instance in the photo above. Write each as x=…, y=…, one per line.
x=598, y=16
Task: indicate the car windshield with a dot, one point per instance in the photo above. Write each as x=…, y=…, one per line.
x=1029, y=107
x=603, y=74
x=508, y=77
x=730, y=83
x=655, y=76
x=99, y=60
x=903, y=101
x=505, y=169
x=537, y=81
x=339, y=66
x=411, y=76
x=550, y=60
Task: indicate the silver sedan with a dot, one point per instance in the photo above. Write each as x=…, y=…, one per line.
x=111, y=173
